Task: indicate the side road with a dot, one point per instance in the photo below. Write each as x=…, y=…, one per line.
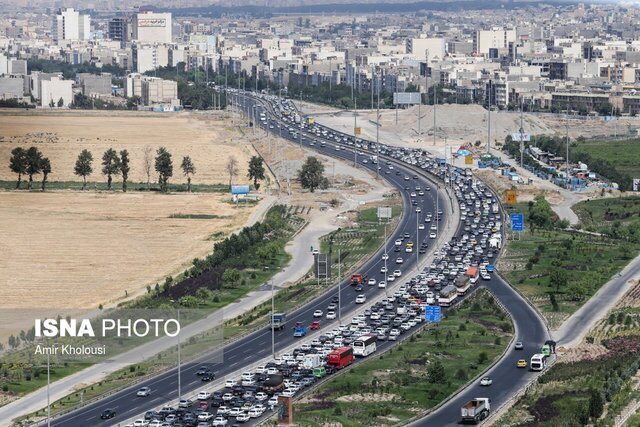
x=301, y=262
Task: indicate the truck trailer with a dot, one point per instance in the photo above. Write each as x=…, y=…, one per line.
x=278, y=320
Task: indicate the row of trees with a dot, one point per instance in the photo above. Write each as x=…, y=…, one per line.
x=29, y=162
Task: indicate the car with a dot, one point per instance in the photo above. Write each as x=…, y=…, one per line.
x=230, y=383
x=398, y=242
x=331, y=315
x=358, y=288
x=203, y=395
x=486, y=381
x=385, y=257
x=408, y=249
x=519, y=345
x=203, y=370
x=107, y=414
x=522, y=363
x=155, y=423
x=382, y=284
x=243, y=417
x=219, y=421
x=360, y=299
x=318, y=313
x=371, y=281
x=140, y=423
x=399, y=260
x=143, y=392
x=315, y=325
x=485, y=276
x=383, y=269
x=432, y=235
x=397, y=273
x=185, y=403
x=208, y=377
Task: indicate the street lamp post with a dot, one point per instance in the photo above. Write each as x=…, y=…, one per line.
x=273, y=331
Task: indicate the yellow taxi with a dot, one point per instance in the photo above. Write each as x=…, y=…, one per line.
x=409, y=244
x=522, y=363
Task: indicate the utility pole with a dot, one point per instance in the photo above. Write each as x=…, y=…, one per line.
x=355, y=132
x=378, y=130
x=273, y=331
x=521, y=133
x=339, y=286
x=435, y=102
x=489, y=121
x=179, y=363
x=48, y=392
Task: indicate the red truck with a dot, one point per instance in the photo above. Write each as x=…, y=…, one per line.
x=356, y=279
x=340, y=357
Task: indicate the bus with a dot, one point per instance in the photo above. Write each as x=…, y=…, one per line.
x=365, y=345
x=340, y=357
x=538, y=362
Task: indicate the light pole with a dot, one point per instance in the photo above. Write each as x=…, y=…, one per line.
x=48, y=393
x=179, y=359
x=339, y=287
x=417, y=242
x=273, y=330
x=386, y=256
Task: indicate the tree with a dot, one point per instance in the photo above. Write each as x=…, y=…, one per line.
x=147, y=163
x=124, y=168
x=60, y=102
x=232, y=169
x=34, y=164
x=18, y=163
x=557, y=278
x=231, y=276
x=83, y=166
x=596, y=405
x=164, y=167
x=110, y=165
x=188, y=169
x=310, y=175
x=46, y=170
x=436, y=373
x=256, y=170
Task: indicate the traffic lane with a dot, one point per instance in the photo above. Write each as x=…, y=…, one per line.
x=164, y=381
x=507, y=377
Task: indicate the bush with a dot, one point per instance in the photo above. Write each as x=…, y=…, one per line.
x=482, y=357
x=461, y=374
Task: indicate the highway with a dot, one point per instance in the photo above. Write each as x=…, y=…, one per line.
x=257, y=345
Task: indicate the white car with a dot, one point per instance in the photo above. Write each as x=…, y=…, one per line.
x=261, y=396
x=486, y=381
x=205, y=416
x=234, y=412
x=360, y=299
x=140, y=423
x=391, y=278
x=385, y=256
x=371, y=281
x=397, y=273
x=244, y=417
x=219, y=422
x=399, y=260
x=203, y=395
x=408, y=249
x=155, y=423
x=230, y=383
x=289, y=392
x=485, y=276
x=382, y=284
x=418, y=210
x=421, y=227
x=318, y=313
x=331, y=315
x=398, y=242
x=432, y=235
x=143, y=392
x=383, y=269
x=255, y=412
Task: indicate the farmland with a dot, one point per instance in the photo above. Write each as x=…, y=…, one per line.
x=611, y=150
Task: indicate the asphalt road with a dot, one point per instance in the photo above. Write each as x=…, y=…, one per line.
x=258, y=344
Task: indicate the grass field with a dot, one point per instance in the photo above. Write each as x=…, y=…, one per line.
x=210, y=141
x=624, y=155
x=408, y=380
x=589, y=261
x=612, y=216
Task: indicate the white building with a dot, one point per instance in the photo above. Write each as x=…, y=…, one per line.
x=497, y=38
x=69, y=24
x=152, y=27
x=147, y=58
x=53, y=89
x=434, y=47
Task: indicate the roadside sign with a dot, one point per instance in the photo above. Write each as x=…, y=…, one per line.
x=490, y=268
x=511, y=197
x=636, y=184
x=239, y=189
x=322, y=266
x=517, y=222
x=406, y=98
x=384, y=212
x=522, y=137
x=432, y=313
x=358, y=131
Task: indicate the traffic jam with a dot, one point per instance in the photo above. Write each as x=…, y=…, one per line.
x=458, y=266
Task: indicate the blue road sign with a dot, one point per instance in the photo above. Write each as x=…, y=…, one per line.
x=432, y=313
x=517, y=222
x=239, y=189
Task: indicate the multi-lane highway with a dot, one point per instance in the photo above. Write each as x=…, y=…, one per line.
x=258, y=345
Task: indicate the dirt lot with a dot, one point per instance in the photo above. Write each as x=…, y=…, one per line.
x=208, y=139
x=86, y=249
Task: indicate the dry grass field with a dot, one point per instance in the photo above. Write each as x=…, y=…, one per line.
x=208, y=139
x=79, y=250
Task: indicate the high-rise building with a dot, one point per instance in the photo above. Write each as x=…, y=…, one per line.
x=119, y=29
x=152, y=27
x=69, y=24
x=500, y=38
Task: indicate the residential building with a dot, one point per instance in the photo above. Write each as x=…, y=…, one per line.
x=152, y=27
x=54, y=89
x=69, y=24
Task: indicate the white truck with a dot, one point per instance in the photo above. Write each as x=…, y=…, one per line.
x=311, y=361
x=475, y=410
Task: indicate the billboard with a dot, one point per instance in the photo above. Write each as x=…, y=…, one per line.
x=511, y=197
x=432, y=313
x=384, y=212
x=468, y=160
x=322, y=266
x=406, y=98
x=239, y=189
x=357, y=131
x=522, y=137
x=517, y=222
x=636, y=184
